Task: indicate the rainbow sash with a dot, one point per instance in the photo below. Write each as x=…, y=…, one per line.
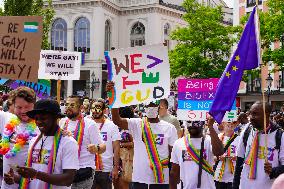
x=231, y=164
x=24, y=183
x=155, y=163
x=79, y=132
x=195, y=156
x=98, y=157
x=251, y=159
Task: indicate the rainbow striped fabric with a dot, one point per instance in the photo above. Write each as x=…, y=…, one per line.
x=251, y=159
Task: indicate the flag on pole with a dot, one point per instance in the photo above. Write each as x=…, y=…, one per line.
x=246, y=57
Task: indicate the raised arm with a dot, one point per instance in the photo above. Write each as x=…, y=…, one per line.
x=117, y=120
x=217, y=145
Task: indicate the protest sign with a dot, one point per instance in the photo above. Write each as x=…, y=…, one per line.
x=59, y=65
x=195, y=97
x=141, y=75
x=20, y=38
x=41, y=88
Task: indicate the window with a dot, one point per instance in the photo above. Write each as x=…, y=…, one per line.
x=167, y=35
x=137, y=35
x=59, y=35
x=107, y=35
x=82, y=35
x=251, y=3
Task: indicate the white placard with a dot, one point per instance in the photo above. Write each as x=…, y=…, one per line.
x=61, y=65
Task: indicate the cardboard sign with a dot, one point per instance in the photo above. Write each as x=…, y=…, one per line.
x=20, y=38
x=141, y=75
x=41, y=88
x=59, y=65
x=195, y=97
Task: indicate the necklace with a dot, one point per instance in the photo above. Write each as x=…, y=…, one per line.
x=20, y=140
x=41, y=146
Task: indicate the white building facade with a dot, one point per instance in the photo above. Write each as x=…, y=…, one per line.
x=95, y=26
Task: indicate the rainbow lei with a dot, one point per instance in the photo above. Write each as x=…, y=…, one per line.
x=79, y=132
x=155, y=163
x=21, y=138
x=24, y=183
x=231, y=164
x=98, y=157
x=194, y=154
x=251, y=159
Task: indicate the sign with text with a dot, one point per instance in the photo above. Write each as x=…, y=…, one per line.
x=59, y=65
x=141, y=75
x=20, y=38
x=41, y=88
x=195, y=97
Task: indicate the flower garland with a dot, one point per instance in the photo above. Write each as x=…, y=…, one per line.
x=21, y=138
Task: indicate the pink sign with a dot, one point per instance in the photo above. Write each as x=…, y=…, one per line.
x=197, y=85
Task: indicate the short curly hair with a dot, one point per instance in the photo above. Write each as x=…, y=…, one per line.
x=26, y=93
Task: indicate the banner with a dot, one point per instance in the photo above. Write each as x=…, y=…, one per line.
x=59, y=65
x=195, y=97
x=141, y=75
x=41, y=88
x=20, y=38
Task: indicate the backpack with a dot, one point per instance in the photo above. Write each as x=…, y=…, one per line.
x=278, y=137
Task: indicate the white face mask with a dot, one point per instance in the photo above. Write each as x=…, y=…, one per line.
x=152, y=112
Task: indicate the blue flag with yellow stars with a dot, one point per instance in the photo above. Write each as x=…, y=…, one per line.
x=246, y=57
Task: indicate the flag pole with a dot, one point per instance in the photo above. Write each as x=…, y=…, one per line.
x=263, y=83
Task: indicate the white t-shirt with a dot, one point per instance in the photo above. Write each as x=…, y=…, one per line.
x=20, y=158
x=262, y=179
x=91, y=136
x=67, y=158
x=109, y=133
x=227, y=176
x=188, y=168
x=166, y=135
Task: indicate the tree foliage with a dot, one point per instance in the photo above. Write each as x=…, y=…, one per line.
x=31, y=8
x=204, y=45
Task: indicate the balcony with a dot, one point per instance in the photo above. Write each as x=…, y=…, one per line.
x=251, y=3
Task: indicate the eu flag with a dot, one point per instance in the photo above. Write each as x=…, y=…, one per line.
x=246, y=57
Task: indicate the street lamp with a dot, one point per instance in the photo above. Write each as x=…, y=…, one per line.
x=95, y=84
x=269, y=81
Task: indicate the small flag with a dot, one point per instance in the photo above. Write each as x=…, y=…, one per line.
x=31, y=27
x=246, y=57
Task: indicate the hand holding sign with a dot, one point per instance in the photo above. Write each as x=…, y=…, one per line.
x=142, y=75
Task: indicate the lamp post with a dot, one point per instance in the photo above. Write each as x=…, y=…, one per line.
x=95, y=83
x=269, y=81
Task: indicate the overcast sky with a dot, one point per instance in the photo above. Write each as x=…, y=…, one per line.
x=1, y=3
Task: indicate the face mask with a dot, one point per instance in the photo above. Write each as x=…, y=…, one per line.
x=152, y=112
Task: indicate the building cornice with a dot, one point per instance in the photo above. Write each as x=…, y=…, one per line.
x=123, y=11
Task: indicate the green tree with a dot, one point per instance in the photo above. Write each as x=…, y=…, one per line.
x=272, y=30
x=204, y=45
x=32, y=8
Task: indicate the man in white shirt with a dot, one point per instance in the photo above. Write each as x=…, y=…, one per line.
x=107, y=164
x=89, y=140
x=52, y=158
x=150, y=165
x=23, y=101
x=186, y=158
x=256, y=166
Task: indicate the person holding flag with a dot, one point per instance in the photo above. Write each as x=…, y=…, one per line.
x=261, y=153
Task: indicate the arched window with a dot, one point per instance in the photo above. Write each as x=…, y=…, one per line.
x=167, y=30
x=59, y=35
x=107, y=35
x=82, y=35
x=137, y=35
